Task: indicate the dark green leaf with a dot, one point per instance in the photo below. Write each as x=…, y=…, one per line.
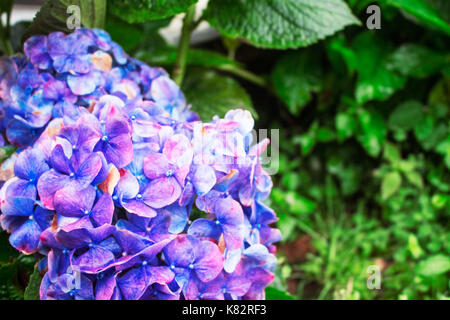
x=417, y=61
x=423, y=11
x=6, y=6
x=134, y=11
x=440, y=94
x=53, y=16
x=7, y=252
x=276, y=294
x=279, y=24
x=373, y=131
x=406, y=115
x=212, y=94
x=32, y=290
x=345, y=126
x=375, y=81
x=295, y=77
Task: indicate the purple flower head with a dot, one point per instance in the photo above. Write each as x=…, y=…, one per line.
x=119, y=189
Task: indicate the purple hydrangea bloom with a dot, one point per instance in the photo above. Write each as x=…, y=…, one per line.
x=120, y=189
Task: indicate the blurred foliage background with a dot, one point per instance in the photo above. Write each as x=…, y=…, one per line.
x=364, y=167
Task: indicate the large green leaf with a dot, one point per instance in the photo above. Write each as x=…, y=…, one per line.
x=32, y=290
x=426, y=11
x=375, y=81
x=144, y=10
x=273, y=293
x=212, y=94
x=434, y=265
x=417, y=61
x=279, y=24
x=295, y=77
x=53, y=15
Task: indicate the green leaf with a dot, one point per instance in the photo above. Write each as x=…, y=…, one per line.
x=295, y=77
x=373, y=131
x=279, y=24
x=6, y=152
x=414, y=246
x=414, y=178
x=440, y=94
x=424, y=11
x=391, y=153
x=345, y=126
x=375, y=80
x=212, y=94
x=434, y=265
x=32, y=290
x=134, y=11
x=298, y=204
x=417, y=61
x=273, y=293
x=53, y=16
x=390, y=184
x=406, y=115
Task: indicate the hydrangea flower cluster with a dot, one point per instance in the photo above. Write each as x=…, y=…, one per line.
x=125, y=193
x=61, y=72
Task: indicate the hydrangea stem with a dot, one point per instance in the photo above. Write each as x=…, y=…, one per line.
x=5, y=44
x=183, y=47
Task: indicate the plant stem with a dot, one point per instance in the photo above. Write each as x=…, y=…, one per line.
x=245, y=74
x=5, y=43
x=183, y=46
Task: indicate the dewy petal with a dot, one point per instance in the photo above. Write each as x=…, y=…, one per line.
x=139, y=208
x=59, y=161
x=94, y=260
x=30, y=164
x=83, y=84
x=231, y=217
x=118, y=150
x=128, y=186
x=103, y=211
x=48, y=184
x=178, y=150
x=161, y=192
x=18, y=207
x=178, y=218
x=208, y=261
x=105, y=287
x=203, y=228
x=204, y=179
x=74, y=200
x=26, y=237
x=180, y=252
x=89, y=169
x=36, y=49
x=156, y=165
